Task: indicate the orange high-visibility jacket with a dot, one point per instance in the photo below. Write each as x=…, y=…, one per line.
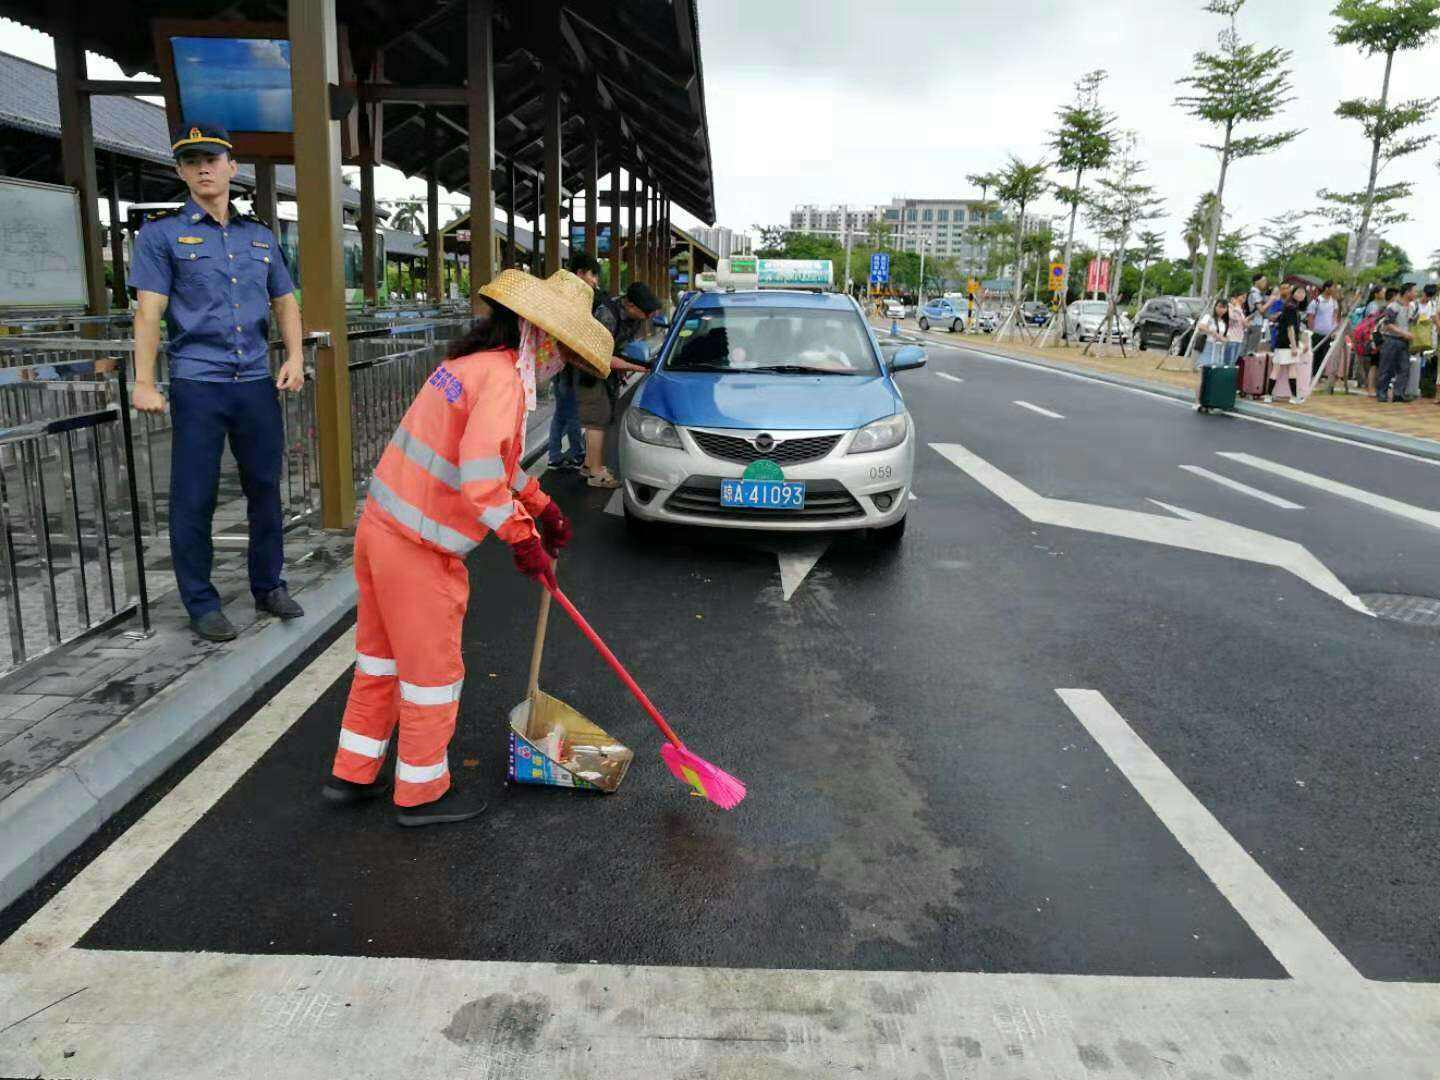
x=452, y=471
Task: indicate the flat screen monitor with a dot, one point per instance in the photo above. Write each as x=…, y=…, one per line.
x=241, y=84
x=602, y=238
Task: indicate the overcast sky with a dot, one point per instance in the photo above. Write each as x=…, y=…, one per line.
x=849, y=102
x=858, y=103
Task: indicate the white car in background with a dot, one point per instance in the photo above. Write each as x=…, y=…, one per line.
x=894, y=309
x=1083, y=319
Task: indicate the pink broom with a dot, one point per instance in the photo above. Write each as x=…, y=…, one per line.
x=707, y=781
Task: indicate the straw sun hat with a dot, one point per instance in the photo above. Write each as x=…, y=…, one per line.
x=559, y=305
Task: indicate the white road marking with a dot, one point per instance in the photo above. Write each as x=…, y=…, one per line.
x=1235, y=485
x=1335, y=487
x=797, y=559
x=1286, y=931
x=947, y=375
x=1195, y=533
x=616, y=505
x=65, y=919
x=1038, y=409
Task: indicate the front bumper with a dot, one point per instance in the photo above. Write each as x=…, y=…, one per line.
x=843, y=491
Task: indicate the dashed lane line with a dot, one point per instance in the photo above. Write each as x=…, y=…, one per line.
x=1246, y=489
x=1286, y=931
x=947, y=375
x=1335, y=487
x=1038, y=409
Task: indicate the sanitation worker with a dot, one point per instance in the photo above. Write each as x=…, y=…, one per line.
x=450, y=476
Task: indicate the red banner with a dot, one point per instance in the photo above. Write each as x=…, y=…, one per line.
x=1097, y=276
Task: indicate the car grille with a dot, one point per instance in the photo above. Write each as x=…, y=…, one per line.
x=825, y=500
x=784, y=452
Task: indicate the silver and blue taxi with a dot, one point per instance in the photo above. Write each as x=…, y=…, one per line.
x=771, y=410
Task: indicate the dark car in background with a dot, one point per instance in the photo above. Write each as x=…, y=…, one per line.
x=1167, y=322
x=1035, y=312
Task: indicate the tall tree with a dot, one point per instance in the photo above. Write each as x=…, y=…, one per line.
x=772, y=237
x=1381, y=28
x=1083, y=143
x=1152, y=245
x=1282, y=240
x=1018, y=185
x=1122, y=200
x=1238, y=85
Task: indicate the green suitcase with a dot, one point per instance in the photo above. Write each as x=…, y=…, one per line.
x=1217, y=387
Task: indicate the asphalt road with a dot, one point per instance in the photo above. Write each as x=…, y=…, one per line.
x=921, y=799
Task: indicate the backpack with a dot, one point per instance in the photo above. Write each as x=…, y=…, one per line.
x=1363, y=336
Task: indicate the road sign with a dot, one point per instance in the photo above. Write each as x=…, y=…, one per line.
x=880, y=268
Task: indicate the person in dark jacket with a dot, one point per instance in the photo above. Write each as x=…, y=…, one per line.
x=628, y=318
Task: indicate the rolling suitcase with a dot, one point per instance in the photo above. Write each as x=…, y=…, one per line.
x=1217, y=388
x=1253, y=371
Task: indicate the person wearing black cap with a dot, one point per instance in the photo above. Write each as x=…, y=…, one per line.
x=216, y=275
x=628, y=318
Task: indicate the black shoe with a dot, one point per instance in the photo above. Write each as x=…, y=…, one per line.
x=347, y=792
x=214, y=626
x=452, y=806
x=562, y=466
x=279, y=602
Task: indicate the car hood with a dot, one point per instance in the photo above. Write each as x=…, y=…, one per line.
x=777, y=402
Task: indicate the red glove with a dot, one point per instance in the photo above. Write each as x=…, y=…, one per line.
x=531, y=560
x=555, y=529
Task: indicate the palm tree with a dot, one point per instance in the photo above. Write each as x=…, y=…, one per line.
x=1197, y=228
x=1151, y=247
x=406, y=218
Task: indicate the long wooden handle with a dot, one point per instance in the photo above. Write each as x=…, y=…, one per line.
x=538, y=651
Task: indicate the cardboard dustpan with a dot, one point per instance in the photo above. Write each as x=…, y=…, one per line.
x=553, y=744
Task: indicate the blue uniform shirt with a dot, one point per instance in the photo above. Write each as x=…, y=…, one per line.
x=220, y=281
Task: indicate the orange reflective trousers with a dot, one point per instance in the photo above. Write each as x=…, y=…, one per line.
x=408, y=669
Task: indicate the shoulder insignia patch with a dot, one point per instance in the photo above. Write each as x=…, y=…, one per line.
x=161, y=215
x=191, y=239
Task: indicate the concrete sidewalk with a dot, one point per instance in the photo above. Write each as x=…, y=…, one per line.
x=1412, y=428
x=86, y=728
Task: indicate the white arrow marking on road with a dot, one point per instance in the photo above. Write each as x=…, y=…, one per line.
x=1195, y=533
x=952, y=378
x=616, y=505
x=1235, y=485
x=1038, y=409
x=1293, y=939
x=797, y=560
x=1345, y=491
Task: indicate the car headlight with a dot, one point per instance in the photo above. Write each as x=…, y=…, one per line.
x=881, y=435
x=649, y=428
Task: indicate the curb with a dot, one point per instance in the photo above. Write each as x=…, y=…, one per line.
x=1384, y=440
x=54, y=814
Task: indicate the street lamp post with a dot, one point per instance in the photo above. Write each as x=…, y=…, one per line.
x=845, y=224
x=921, y=242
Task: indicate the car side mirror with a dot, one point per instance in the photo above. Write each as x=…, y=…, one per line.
x=907, y=358
x=636, y=353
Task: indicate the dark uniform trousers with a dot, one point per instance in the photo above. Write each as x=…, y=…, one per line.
x=203, y=415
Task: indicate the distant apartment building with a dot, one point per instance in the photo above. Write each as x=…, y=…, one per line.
x=723, y=241
x=834, y=220
x=948, y=228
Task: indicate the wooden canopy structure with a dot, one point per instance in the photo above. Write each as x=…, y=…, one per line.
x=522, y=104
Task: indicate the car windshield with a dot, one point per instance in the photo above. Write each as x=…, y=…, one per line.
x=1093, y=307
x=1190, y=305
x=782, y=340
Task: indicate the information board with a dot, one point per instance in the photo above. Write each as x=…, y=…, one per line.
x=42, y=263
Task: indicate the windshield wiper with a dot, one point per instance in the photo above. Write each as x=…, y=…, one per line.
x=698, y=367
x=799, y=369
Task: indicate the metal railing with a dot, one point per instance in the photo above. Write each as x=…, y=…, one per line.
x=71, y=556
x=65, y=461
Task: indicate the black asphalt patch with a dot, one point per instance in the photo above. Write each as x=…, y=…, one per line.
x=910, y=808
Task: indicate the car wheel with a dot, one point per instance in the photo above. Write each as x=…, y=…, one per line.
x=957, y=327
x=924, y=323
x=1140, y=338
x=889, y=535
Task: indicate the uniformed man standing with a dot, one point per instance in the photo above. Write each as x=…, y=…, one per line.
x=215, y=275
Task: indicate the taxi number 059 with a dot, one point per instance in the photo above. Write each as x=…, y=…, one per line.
x=881, y=472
